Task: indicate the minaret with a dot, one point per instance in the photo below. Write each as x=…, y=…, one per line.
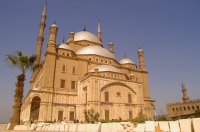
x=99, y=31
x=71, y=36
x=40, y=38
x=51, y=46
x=185, y=97
x=142, y=66
x=111, y=47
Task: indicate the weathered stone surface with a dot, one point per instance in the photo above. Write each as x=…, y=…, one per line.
x=174, y=126
x=164, y=125
x=196, y=124
x=185, y=125
x=139, y=128
x=150, y=126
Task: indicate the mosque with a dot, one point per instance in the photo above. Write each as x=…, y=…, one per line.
x=81, y=74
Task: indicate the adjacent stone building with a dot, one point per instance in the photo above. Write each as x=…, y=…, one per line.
x=184, y=109
x=81, y=74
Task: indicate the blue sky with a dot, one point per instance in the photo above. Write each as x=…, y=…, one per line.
x=168, y=31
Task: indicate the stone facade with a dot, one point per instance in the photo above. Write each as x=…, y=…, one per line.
x=185, y=109
x=80, y=74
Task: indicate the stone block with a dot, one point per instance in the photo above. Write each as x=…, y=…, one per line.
x=50, y=127
x=88, y=127
x=185, y=125
x=156, y=124
x=22, y=127
x=33, y=126
x=82, y=128
x=40, y=124
x=53, y=127
x=72, y=128
x=139, y=128
x=62, y=122
x=62, y=127
x=149, y=126
x=164, y=126
x=104, y=127
x=95, y=127
x=46, y=128
x=43, y=127
x=57, y=127
x=174, y=126
x=118, y=127
x=66, y=128
x=196, y=124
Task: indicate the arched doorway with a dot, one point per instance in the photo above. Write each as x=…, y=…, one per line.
x=35, y=108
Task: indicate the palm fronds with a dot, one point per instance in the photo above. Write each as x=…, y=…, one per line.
x=23, y=62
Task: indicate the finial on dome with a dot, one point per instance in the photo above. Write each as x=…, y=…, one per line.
x=54, y=22
x=84, y=29
x=63, y=39
x=140, y=49
x=124, y=55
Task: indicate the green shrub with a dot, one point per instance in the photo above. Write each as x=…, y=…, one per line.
x=91, y=116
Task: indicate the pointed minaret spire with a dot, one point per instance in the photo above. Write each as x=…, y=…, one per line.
x=63, y=39
x=99, y=31
x=40, y=38
x=84, y=29
x=45, y=9
x=185, y=97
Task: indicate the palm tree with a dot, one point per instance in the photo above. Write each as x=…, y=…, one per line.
x=24, y=63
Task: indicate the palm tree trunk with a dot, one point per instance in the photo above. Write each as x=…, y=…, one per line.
x=17, y=101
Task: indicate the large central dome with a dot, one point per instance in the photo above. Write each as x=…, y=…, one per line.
x=103, y=68
x=95, y=50
x=84, y=35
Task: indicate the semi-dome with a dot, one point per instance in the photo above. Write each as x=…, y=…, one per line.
x=84, y=35
x=95, y=50
x=103, y=68
x=64, y=46
x=126, y=61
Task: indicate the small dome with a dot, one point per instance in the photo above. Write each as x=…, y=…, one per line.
x=140, y=49
x=126, y=61
x=84, y=35
x=64, y=46
x=54, y=25
x=103, y=68
x=96, y=50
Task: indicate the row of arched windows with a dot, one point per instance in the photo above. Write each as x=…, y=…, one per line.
x=186, y=108
x=64, y=69
x=106, y=96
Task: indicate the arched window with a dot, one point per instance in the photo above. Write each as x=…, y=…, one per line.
x=197, y=107
x=193, y=107
x=130, y=113
x=73, y=70
x=63, y=68
x=107, y=113
x=106, y=94
x=60, y=114
x=184, y=108
x=129, y=98
x=71, y=114
x=35, y=108
x=62, y=83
